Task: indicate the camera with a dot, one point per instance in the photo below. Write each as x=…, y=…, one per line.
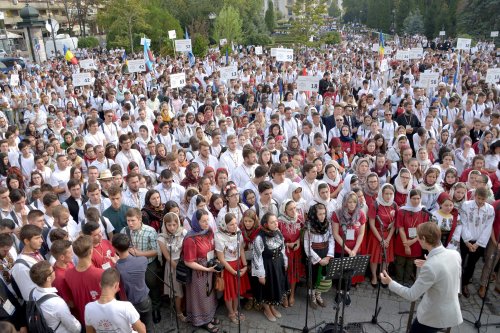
x=214, y=262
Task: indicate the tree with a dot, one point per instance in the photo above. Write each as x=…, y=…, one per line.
x=333, y=9
x=160, y=21
x=77, y=11
x=308, y=18
x=414, y=23
x=270, y=17
x=228, y=24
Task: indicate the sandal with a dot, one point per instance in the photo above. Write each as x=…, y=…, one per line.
x=233, y=318
x=269, y=315
x=241, y=316
x=249, y=304
x=182, y=317
x=276, y=313
x=215, y=321
x=210, y=328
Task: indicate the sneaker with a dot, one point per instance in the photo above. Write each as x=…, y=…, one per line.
x=312, y=301
x=319, y=300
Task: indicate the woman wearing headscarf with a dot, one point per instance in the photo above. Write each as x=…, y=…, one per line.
x=430, y=188
x=448, y=220
x=230, y=249
x=450, y=178
x=371, y=188
x=394, y=152
x=406, y=247
x=350, y=215
x=403, y=185
x=192, y=176
x=269, y=265
x=198, y=202
x=250, y=228
x=290, y=226
x=458, y=194
x=198, y=247
x=362, y=170
x=295, y=193
x=319, y=248
x=347, y=142
x=464, y=155
x=382, y=218
x=333, y=178
x=153, y=210
x=170, y=242
x=350, y=181
x=232, y=205
x=322, y=195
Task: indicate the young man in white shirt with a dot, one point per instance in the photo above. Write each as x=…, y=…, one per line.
x=24, y=160
x=168, y=189
x=101, y=162
x=60, y=177
x=166, y=138
x=108, y=314
x=110, y=129
x=127, y=155
x=309, y=182
x=232, y=157
x=95, y=200
x=94, y=136
x=134, y=196
x=54, y=309
x=204, y=159
x=245, y=171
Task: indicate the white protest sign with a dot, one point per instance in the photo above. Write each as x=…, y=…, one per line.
x=384, y=65
x=145, y=39
x=387, y=49
x=274, y=50
x=228, y=73
x=442, y=33
x=136, y=66
x=375, y=47
x=223, y=42
x=183, y=45
x=463, y=43
x=494, y=34
x=14, y=80
x=284, y=55
x=307, y=83
x=87, y=64
x=258, y=50
x=177, y=80
x=429, y=80
x=172, y=34
x=416, y=53
x=403, y=55
x=82, y=79
x=493, y=75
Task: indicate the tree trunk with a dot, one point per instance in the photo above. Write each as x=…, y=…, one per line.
x=130, y=34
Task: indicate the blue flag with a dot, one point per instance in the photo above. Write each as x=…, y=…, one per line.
x=190, y=53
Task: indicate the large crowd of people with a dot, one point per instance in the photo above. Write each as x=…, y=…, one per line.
x=116, y=193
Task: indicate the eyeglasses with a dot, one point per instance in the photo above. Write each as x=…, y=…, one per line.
x=339, y=120
x=388, y=114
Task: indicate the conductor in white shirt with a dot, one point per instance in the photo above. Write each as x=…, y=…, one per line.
x=438, y=282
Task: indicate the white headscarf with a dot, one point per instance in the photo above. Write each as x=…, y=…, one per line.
x=333, y=182
x=399, y=185
x=409, y=207
x=380, y=197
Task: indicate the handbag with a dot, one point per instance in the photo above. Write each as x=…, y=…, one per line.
x=183, y=274
x=219, y=281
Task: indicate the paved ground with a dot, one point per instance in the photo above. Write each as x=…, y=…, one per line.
x=361, y=309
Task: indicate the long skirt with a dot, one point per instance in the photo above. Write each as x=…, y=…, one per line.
x=231, y=283
x=296, y=268
x=177, y=286
x=317, y=268
x=276, y=287
x=200, y=307
x=374, y=249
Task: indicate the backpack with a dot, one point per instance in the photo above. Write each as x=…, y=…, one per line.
x=34, y=316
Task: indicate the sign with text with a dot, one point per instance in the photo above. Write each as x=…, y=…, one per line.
x=82, y=79
x=307, y=83
x=375, y=47
x=258, y=50
x=274, y=50
x=429, y=80
x=87, y=64
x=228, y=73
x=493, y=75
x=442, y=33
x=183, y=45
x=143, y=39
x=14, y=80
x=177, y=80
x=463, y=43
x=172, y=34
x=416, y=53
x=284, y=55
x=403, y=55
x=494, y=34
x=223, y=42
x=136, y=66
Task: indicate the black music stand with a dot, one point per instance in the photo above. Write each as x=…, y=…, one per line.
x=345, y=268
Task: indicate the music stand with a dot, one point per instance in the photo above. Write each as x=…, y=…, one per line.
x=345, y=268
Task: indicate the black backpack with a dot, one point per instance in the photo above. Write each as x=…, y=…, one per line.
x=34, y=317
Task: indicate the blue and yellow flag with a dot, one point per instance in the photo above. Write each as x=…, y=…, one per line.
x=381, y=45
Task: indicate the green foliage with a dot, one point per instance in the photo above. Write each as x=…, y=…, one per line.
x=478, y=17
x=88, y=42
x=257, y=39
x=270, y=17
x=200, y=45
x=309, y=16
x=160, y=22
x=333, y=9
x=331, y=38
x=414, y=23
x=228, y=25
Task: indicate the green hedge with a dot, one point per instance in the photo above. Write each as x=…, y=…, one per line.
x=88, y=42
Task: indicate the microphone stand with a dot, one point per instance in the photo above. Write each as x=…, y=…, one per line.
x=339, y=328
x=238, y=278
x=172, y=290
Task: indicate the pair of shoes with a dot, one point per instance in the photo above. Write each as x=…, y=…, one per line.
x=320, y=300
x=257, y=306
x=249, y=304
x=211, y=328
x=241, y=316
x=481, y=292
x=465, y=292
x=233, y=318
x=276, y=313
x=156, y=316
x=374, y=285
x=215, y=321
x=347, y=299
x=182, y=317
x=269, y=316
x=312, y=299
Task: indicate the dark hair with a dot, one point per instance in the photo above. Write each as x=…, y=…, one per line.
x=265, y=185
x=121, y=242
x=89, y=227
x=28, y=231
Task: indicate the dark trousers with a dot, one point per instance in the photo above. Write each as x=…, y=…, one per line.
x=154, y=284
x=469, y=260
x=416, y=327
x=146, y=313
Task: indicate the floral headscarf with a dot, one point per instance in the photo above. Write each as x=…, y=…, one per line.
x=317, y=226
x=343, y=214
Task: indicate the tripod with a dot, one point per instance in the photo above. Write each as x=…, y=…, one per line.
x=477, y=324
x=339, y=327
x=307, y=329
x=238, y=277
x=374, y=320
